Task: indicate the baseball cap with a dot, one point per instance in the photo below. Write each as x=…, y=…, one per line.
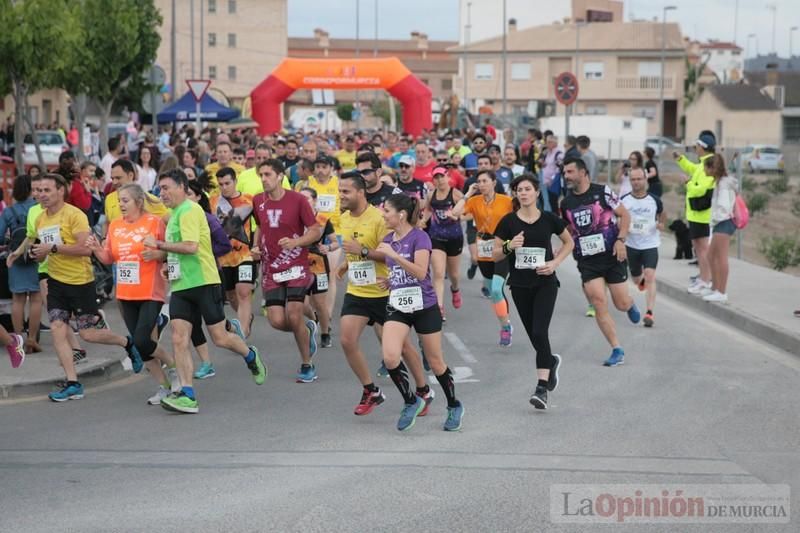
x=323, y=160
x=439, y=169
x=706, y=141
x=251, y=154
x=406, y=160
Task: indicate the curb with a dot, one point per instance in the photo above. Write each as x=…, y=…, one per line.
x=104, y=372
x=745, y=322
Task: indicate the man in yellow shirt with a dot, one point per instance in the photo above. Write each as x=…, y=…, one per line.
x=224, y=159
x=347, y=155
x=122, y=173
x=327, y=186
x=249, y=182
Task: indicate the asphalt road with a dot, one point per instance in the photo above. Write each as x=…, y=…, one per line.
x=695, y=403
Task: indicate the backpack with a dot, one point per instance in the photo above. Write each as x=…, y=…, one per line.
x=741, y=215
x=18, y=234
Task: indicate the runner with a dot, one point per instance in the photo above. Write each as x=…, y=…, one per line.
x=446, y=235
x=224, y=159
x=365, y=301
x=599, y=223
x=123, y=173
x=406, y=182
x=524, y=237
x=196, y=290
x=140, y=289
x=647, y=219
x=369, y=165
x=327, y=187
x=62, y=231
x=487, y=208
x=233, y=209
x=483, y=162
x=286, y=228
x=424, y=163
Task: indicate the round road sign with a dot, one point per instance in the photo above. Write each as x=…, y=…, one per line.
x=566, y=88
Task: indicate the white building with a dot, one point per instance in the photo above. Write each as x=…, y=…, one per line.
x=725, y=59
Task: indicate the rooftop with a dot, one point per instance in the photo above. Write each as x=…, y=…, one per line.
x=789, y=80
x=742, y=97
x=720, y=45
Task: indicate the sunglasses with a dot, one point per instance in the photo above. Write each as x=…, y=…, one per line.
x=442, y=160
x=403, y=165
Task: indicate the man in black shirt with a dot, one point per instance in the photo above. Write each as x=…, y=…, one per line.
x=369, y=165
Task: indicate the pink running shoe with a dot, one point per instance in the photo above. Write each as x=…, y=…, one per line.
x=16, y=352
x=456, y=298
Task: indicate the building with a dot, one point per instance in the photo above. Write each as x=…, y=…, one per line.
x=46, y=108
x=618, y=65
x=234, y=43
x=739, y=114
x=765, y=62
x=724, y=59
x=784, y=87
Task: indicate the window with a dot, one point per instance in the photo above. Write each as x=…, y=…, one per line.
x=212, y=39
x=212, y=72
x=520, y=71
x=231, y=7
x=736, y=53
x=720, y=52
x=593, y=70
x=447, y=85
x=649, y=68
x=484, y=71
x=644, y=111
x=595, y=109
x=232, y=40
x=212, y=6
x=232, y=72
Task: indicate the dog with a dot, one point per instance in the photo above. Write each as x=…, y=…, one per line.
x=683, y=244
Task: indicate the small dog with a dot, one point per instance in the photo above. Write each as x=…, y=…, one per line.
x=683, y=244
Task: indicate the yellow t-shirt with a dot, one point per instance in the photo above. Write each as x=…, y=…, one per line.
x=369, y=230
x=327, y=200
x=155, y=206
x=212, y=172
x=346, y=159
x=249, y=182
x=59, y=229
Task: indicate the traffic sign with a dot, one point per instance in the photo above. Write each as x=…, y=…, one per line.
x=198, y=88
x=566, y=88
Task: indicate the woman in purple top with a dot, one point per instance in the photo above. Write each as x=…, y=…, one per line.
x=412, y=302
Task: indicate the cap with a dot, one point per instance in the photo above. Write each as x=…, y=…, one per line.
x=323, y=160
x=439, y=169
x=706, y=141
x=406, y=160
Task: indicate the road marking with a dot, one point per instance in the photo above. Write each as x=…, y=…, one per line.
x=461, y=374
x=460, y=347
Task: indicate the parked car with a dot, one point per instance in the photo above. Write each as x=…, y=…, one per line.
x=762, y=157
x=52, y=144
x=667, y=144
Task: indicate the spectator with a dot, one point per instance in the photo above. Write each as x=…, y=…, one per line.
x=722, y=227
x=651, y=171
x=589, y=157
x=634, y=161
x=551, y=173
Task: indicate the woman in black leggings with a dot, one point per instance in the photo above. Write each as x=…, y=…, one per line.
x=523, y=237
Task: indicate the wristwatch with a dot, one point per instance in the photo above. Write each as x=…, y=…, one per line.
x=54, y=249
x=364, y=252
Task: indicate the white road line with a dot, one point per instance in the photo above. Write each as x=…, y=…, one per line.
x=460, y=347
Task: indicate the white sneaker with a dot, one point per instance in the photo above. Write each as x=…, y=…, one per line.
x=698, y=286
x=174, y=380
x=716, y=296
x=705, y=291
x=156, y=398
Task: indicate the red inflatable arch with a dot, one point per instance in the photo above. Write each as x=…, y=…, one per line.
x=385, y=73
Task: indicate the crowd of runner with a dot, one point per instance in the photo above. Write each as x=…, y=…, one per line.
x=276, y=225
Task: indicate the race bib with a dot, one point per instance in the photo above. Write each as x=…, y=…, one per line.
x=128, y=272
x=326, y=203
x=485, y=248
x=362, y=272
x=288, y=275
x=641, y=226
x=592, y=244
x=529, y=258
x=407, y=300
x=51, y=235
x=246, y=273
x=322, y=282
x=173, y=269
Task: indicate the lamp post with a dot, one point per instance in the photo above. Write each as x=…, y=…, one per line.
x=505, y=76
x=661, y=81
x=467, y=30
x=791, y=49
x=358, y=53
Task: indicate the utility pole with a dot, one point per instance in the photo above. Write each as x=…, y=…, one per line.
x=202, y=39
x=774, y=9
x=172, y=56
x=467, y=30
x=191, y=33
x=358, y=53
x=505, y=76
x=661, y=80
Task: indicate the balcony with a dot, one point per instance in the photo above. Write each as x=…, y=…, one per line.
x=644, y=82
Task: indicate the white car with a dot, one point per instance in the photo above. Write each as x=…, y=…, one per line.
x=762, y=157
x=667, y=144
x=51, y=143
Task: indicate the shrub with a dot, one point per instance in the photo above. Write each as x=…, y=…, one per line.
x=796, y=208
x=757, y=202
x=781, y=252
x=778, y=184
x=749, y=184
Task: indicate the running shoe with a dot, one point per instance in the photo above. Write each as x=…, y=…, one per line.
x=174, y=380
x=325, y=340
x=409, y=414
x=698, y=286
x=67, y=392
x=369, y=400
x=428, y=397
x=161, y=324
x=590, y=312
x=78, y=356
x=236, y=327
x=156, y=398
x=16, y=351
x=307, y=374
x=205, y=371
x=133, y=354
x=505, y=335
x=634, y=315
x=101, y=320
x=471, y=271
x=312, y=337
x=539, y=398
x=485, y=292
x=382, y=371
x=456, y=294
x=797, y=313
x=616, y=358
x=716, y=296
x=641, y=285
x=552, y=381
x=257, y=367
x=180, y=403
x=454, y=416
x=648, y=319
x=705, y=292
x=441, y=312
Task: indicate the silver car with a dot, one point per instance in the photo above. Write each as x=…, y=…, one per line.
x=762, y=157
x=52, y=144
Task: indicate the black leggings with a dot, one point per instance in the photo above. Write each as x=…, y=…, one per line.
x=140, y=318
x=198, y=337
x=535, y=306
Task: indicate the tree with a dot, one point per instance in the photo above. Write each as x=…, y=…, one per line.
x=382, y=109
x=345, y=112
x=38, y=39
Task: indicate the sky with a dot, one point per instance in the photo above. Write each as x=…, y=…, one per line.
x=699, y=19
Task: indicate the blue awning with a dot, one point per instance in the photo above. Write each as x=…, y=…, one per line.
x=184, y=110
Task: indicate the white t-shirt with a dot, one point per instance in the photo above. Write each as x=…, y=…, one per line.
x=146, y=178
x=105, y=165
x=643, y=233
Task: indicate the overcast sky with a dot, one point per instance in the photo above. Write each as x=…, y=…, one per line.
x=703, y=19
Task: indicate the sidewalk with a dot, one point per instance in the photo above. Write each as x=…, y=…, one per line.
x=40, y=371
x=761, y=301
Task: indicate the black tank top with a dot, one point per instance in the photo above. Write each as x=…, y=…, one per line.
x=442, y=226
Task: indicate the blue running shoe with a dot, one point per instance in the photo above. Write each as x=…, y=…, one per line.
x=312, y=337
x=634, y=315
x=454, y=416
x=409, y=414
x=68, y=392
x=135, y=357
x=617, y=358
x=485, y=292
x=307, y=374
x=383, y=371
x=205, y=371
x=236, y=327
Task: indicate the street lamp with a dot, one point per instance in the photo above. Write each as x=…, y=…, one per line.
x=661, y=82
x=753, y=36
x=791, y=50
x=467, y=31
